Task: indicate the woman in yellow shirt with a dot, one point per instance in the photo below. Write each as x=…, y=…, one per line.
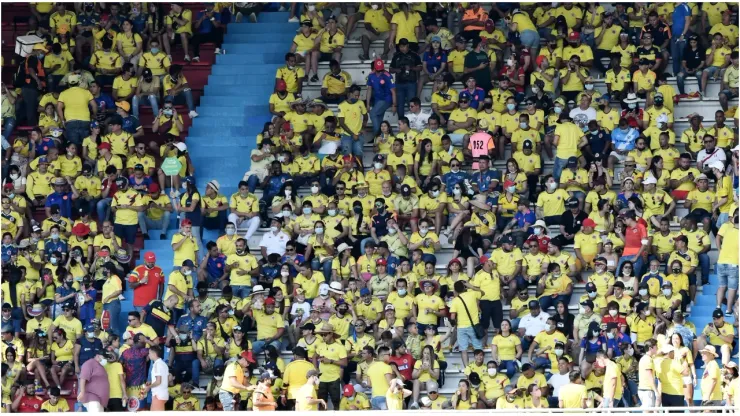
x=48, y=120
x=344, y=265
x=425, y=163
x=464, y=398
x=554, y=287
x=129, y=44
x=683, y=355
x=62, y=351
x=384, y=140
x=655, y=170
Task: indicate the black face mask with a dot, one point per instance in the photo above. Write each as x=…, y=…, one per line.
x=602, y=107
x=676, y=271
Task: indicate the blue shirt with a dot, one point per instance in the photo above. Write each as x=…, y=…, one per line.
x=87, y=310
x=64, y=200
x=614, y=343
x=206, y=26
x=43, y=146
x=528, y=218
x=104, y=99
x=215, y=267
x=271, y=272
x=381, y=83
x=145, y=180
x=88, y=348
x=51, y=246
x=434, y=62
x=130, y=124
x=196, y=324
x=276, y=184
x=624, y=140
x=392, y=265
x=476, y=97
x=678, y=19
x=484, y=179
x=450, y=179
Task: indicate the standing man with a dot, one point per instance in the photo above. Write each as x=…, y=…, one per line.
x=613, y=388
x=94, y=388
x=147, y=281
x=381, y=92
x=680, y=24
x=464, y=312
x=406, y=65
x=158, y=384
x=647, y=390
x=76, y=106
x=332, y=357
x=234, y=380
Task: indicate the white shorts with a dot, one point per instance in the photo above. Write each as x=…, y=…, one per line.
x=687, y=380
x=647, y=398
x=617, y=156
x=93, y=407
x=303, y=54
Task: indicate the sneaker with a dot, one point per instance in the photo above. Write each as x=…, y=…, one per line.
x=315, y=78
x=363, y=57
x=282, y=9
x=145, y=235
x=193, y=114
x=239, y=17
x=196, y=59
x=728, y=313
x=413, y=406
x=293, y=19
x=253, y=18
x=199, y=390
x=187, y=58
x=217, y=51
x=163, y=236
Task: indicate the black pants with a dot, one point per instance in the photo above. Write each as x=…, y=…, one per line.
x=115, y=405
x=473, y=35
x=532, y=181
x=216, y=223
x=214, y=36
x=30, y=102
x=672, y=400
x=331, y=389
x=348, y=371
x=491, y=311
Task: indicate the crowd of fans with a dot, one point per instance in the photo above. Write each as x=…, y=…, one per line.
x=530, y=179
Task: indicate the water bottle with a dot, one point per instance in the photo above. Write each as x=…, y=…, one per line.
x=37, y=384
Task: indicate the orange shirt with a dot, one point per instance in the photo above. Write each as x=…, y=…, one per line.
x=263, y=394
x=480, y=15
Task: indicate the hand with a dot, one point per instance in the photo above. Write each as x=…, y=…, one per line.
x=80, y=397
x=393, y=109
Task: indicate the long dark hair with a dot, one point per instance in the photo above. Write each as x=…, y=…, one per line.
x=423, y=153
x=653, y=168
x=157, y=18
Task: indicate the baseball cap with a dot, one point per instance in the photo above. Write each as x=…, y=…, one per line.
x=124, y=105
x=588, y=222
x=588, y=303
x=150, y=257
x=527, y=144
x=188, y=263
x=379, y=65
x=281, y=85
x=153, y=188
x=574, y=36
x=717, y=313
x=348, y=390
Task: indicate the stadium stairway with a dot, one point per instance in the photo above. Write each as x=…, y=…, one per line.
x=231, y=113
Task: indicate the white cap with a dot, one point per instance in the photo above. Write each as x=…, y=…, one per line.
x=336, y=287
x=540, y=223
x=181, y=146
x=650, y=180
x=215, y=185
x=661, y=119
x=716, y=165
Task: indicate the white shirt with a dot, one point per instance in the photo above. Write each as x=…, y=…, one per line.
x=703, y=158
x=556, y=381
x=534, y=324
x=419, y=121
x=159, y=368
x=582, y=117
x=274, y=243
x=305, y=308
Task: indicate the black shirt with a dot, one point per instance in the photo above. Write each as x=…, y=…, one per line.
x=651, y=54
x=482, y=76
x=380, y=223
x=660, y=33
x=399, y=61
x=572, y=224
x=694, y=58
x=544, y=103
x=597, y=142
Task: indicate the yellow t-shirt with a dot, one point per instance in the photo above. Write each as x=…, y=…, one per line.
x=406, y=26
x=124, y=87
x=335, y=352
x=471, y=301
x=126, y=216
x=76, y=102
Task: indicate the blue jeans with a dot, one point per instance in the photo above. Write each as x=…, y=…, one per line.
x=377, y=403
x=466, y=336
x=727, y=275
x=103, y=208
x=252, y=183
x=530, y=39
x=260, y=346
x=136, y=102
x=509, y=366
x=227, y=400
x=637, y=264
x=558, y=167
x=352, y=146
x=377, y=113
x=325, y=267
x=76, y=130
x=677, y=49
x=723, y=218
x=8, y=126
x=541, y=362
x=547, y=301
x=188, y=94
x=242, y=291
x=405, y=91
x=114, y=308
x=681, y=80
x=196, y=369
x=162, y=224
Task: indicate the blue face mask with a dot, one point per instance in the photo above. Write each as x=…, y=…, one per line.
x=352, y=100
x=154, y=51
x=510, y=107
x=41, y=56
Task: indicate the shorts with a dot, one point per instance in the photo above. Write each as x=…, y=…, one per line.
x=712, y=70
x=618, y=156
x=729, y=93
x=301, y=53
x=687, y=380
x=728, y=275
x=326, y=56
x=378, y=403
x=466, y=337
x=127, y=233
x=647, y=398
x=699, y=215
x=380, y=36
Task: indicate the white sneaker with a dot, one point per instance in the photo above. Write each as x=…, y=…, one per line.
x=199, y=391
x=239, y=17
x=253, y=18
x=217, y=51
x=293, y=19
x=282, y=9
x=193, y=114
x=196, y=59
x=187, y=58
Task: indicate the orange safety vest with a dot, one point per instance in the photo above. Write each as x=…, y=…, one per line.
x=481, y=15
x=39, y=72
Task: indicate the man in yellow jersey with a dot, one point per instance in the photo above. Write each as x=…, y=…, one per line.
x=234, y=380
x=670, y=381
x=127, y=205
x=379, y=376
x=306, y=395
x=613, y=389
x=75, y=107
x=573, y=395
x=647, y=390
x=711, y=382
x=294, y=376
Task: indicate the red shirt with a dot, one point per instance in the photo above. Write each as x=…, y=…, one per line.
x=513, y=74
x=405, y=364
x=544, y=241
x=147, y=292
x=30, y=404
x=619, y=320
x=633, y=239
x=113, y=187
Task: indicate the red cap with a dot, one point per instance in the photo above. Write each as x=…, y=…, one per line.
x=483, y=259
x=381, y=262
x=286, y=126
x=574, y=36
x=153, y=188
x=8, y=185
x=186, y=221
x=378, y=65
x=80, y=229
x=150, y=257
x=539, y=60
x=347, y=158
x=588, y=222
x=533, y=239
x=270, y=301
x=348, y=390
x=281, y=85
x=509, y=183
x=247, y=355
x=104, y=146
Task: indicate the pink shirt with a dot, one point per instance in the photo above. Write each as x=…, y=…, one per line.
x=480, y=144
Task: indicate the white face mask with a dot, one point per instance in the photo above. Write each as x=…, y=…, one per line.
x=13, y=176
x=230, y=231
x=643, y=292
x=103, y=362
x=378, y=165
x=492, y=372
x=589, y=87
x=392, y=231
x=187, y=272
x=401, y=292
x=535, y=90
x=311, y=8
x=314, y=189
x=435, y=194
x=647, y=312
x=423, y=231
x=612, y=312
x=286, y=214
x=284, y=273
x=552, y=186
x=537, y=230
x=307, y=210
x=558, y=352
x=630, y=351
x=288, y=193
x=319, y=230
x=592, y=294
x=374, y=7
x=274, y=229
x=667, y=292
x=511, y=189
x=457, y=191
